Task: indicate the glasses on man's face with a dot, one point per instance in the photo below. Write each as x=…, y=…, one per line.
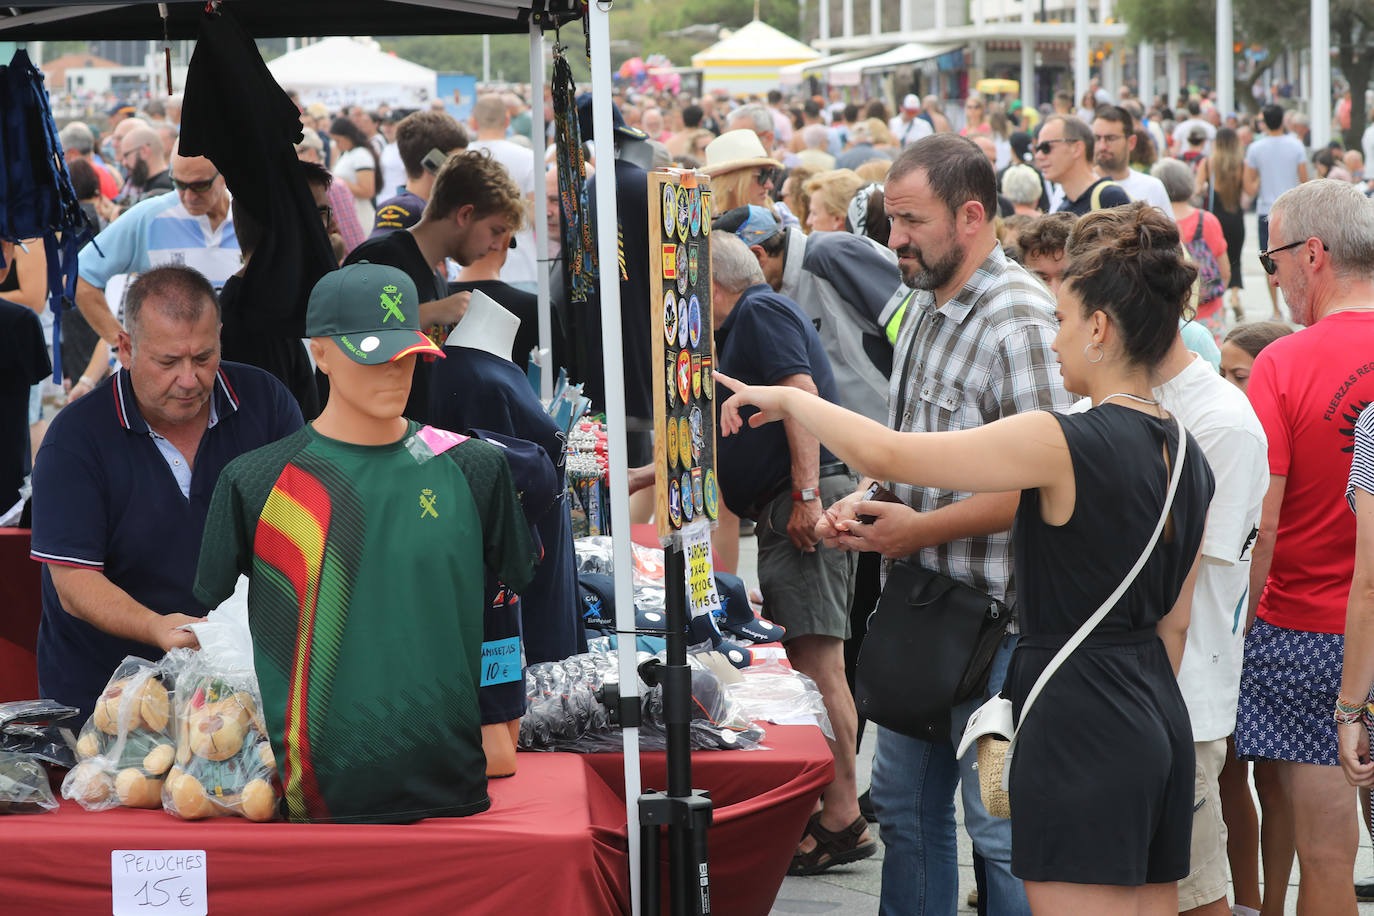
x=195, y=187
x=1108, y=138
x=326, y=214
x=765, y=177
x=1267, y=260
x=1044, y=146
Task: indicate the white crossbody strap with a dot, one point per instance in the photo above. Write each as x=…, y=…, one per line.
x=1095, y=619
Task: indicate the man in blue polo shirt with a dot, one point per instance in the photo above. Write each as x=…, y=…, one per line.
x=123, y=481
x=780, y=476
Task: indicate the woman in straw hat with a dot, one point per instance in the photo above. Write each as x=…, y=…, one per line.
x=741, y=171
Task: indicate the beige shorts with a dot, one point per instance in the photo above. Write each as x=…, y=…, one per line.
x=1209, y=869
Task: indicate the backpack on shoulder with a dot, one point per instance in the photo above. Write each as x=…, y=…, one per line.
x=36, y=195
x=1209, y=283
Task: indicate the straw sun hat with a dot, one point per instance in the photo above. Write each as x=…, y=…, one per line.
x=736, y=149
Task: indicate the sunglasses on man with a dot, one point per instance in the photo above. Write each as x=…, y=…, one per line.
x=1044, y=146
x=195, y=187
x=1267, y=261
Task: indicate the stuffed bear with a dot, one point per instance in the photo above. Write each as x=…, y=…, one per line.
x=125, y=748
x=224, y=762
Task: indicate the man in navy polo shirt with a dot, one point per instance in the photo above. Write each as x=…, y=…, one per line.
x=123, y=481
x=780, y=476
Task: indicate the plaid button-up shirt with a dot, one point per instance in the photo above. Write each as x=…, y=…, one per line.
x=983, y=355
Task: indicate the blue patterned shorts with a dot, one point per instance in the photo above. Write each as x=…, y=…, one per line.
x=1288, y=687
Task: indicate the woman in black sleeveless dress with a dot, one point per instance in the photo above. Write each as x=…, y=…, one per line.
x=1102, y=779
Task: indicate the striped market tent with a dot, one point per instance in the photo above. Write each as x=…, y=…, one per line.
x=750, y=59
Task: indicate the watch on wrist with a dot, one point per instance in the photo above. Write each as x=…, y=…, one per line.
x=806, y=495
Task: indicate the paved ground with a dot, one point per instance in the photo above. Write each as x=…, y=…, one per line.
x=853, y=890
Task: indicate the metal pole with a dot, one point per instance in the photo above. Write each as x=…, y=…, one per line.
x=1319, y=98
x=1145, y=73
x=1082, y=74
x=1173, y=67
x=1225, y=59
x=537, y=221
x=599, y=31
x=486, y=58
x=1027, y=57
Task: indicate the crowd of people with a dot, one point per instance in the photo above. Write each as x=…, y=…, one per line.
x=1015, y=321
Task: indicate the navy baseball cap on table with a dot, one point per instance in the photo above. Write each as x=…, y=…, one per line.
x=620, y=128
x=737, y=618
x=704, y=629
x=753, y=224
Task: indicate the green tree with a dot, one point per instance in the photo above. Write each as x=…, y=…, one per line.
x=1273, y=25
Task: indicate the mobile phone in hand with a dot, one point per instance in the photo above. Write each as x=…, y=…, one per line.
x=876, y=492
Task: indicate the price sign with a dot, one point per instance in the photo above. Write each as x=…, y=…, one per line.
x=501, y=661
x=157, y=881
x=702, y=597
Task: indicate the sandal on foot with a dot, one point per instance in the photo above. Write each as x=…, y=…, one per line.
x=838, y=847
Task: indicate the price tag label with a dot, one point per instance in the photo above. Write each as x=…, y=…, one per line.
x=701, y=574
x=157, y=881
x=500, y=661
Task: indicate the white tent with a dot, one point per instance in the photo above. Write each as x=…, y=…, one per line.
x=353, y=71
x=748, y=60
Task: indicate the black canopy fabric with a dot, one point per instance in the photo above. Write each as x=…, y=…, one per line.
x=94, y=19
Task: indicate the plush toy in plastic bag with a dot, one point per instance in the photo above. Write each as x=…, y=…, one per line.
x=224, y=760
x=126, y=747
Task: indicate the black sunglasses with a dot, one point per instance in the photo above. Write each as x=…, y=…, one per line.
x=764, y=176
x=326, y=213
x=1044, y=146
x=1267, y=261
x=195, y=187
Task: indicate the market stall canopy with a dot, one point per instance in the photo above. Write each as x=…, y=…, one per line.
x=749, y=59
x=793, y=74
x=96, y=19
x=850, y=72
x=342, y=71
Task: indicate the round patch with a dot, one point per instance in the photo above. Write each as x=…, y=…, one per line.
x=669, y=211
x=735, y=656
x=675, y=503
x=684, y=213
x=672, y=443
x=670, y=318
x=368, y=344
x=697, y=434
x=653, y=616
x=695, y=219
x=706, y=213
x=684, y=375
x=694, y=320
x=698, y=497
x=710, y=497
x=682, y=277
x=684, y=442
x=686, y=490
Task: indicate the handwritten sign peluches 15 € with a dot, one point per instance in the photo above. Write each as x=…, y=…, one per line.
x=158, y=881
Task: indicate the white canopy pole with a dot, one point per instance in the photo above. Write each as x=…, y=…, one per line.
x=1319, y=96
x=1226, y=61
x=1082, y=72
x=613, y=365
x=538, y=223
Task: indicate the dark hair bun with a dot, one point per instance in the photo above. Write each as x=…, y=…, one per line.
x=1129, y=262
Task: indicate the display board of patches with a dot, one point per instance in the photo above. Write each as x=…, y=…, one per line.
x=685, y=485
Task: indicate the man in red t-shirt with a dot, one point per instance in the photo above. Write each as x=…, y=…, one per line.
x=1308, y=389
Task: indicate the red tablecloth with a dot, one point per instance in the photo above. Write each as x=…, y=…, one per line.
x=553, y=841
x=21, y=606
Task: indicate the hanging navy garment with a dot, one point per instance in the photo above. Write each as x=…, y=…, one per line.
x=237, y=116
x=473, y=389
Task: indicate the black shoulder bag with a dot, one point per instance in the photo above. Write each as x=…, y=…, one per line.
x=930, y=644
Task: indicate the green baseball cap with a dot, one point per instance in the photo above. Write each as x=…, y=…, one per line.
x=371, y=311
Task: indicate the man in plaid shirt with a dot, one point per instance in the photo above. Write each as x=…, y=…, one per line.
x=973, y=347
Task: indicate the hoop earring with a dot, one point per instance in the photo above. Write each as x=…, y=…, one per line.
x=1100, y=353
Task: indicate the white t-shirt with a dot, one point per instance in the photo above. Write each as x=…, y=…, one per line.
x=1183, y=129
x=393, y=173
x=347, y=167
x=1147, y=188
x=908, y=132
x=520, y=266
x=1218, y=415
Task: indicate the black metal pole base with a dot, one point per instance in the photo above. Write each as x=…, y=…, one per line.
x=688, y=820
